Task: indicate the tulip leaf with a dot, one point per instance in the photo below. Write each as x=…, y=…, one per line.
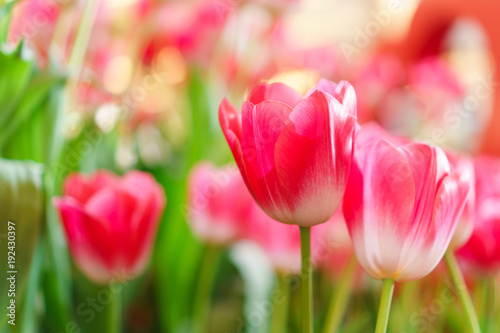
x=21, y=209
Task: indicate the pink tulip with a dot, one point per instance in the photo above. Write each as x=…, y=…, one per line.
x=401, y=206
x=35, y=21
x=294, y=153
x=280, y=242
x=111, y=222
x=483, y=248
x=375, y=81
x=219, y=203
x=466, y=222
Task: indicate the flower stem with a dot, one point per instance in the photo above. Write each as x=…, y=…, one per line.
x=115, y=311
x=461, y=287
x=340, y=299
x=206, y=279
x=281, y=298
x=489, y=325
x=385, y=305
x=306, y=301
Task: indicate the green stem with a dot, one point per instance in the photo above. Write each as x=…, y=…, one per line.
x=115, y=310
x=461, y=287
x=339, y=302
x=281, y=298
x=306, y=301
x=491, y=304
x=385, y=305
x=206, y=280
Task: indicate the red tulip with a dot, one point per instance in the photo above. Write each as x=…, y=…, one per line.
x=111, y=222
x=294, y=153
x=219, y=203
x=401, y=206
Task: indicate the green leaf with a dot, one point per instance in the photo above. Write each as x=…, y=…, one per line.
x=21, y=204
x=35, y=95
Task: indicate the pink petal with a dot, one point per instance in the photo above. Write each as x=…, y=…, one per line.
x=218, y=203
x=378, y=207
x=262, y=125
x=342, y=92
x=428, y=166
x=145, y=219
x=88, y=239
x=117, y=208
x=313, y=156
x=277, y=92
x=82, y=187
x=449, y=203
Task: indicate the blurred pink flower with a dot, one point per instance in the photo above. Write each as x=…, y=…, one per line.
x=401, y=206
x=34, y=21
x=294, y=153
x=372, y=131
x=331, y=244
x=280, y=242
x=465, y=224
x=374, y=82
x=111, y=222
x=483, y=248
x=219, y=203
x=193, y=27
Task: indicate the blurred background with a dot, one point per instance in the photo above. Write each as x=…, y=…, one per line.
x=136, y=84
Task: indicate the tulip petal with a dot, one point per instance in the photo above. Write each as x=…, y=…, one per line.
x=428, y=167
x=262, y=125
x=278, y=92
x=117, y=207
x=448, y=206
x=313, y=156
x=378, y=207
x=88, y=239
x=342, y=92
x=145, y=220
x=82, y=188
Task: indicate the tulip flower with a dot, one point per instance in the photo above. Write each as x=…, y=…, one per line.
x=219, y=203
x=295, y=154
x=483, y=248
x=111, y=222
x=35, y=22
x=401, y=206
x=465, y=224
